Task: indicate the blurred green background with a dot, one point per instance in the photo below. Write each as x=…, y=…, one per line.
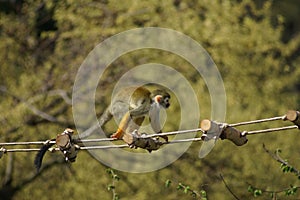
x=255, y=44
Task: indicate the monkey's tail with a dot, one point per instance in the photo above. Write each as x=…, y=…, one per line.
x=105, y=117
x=40, y=155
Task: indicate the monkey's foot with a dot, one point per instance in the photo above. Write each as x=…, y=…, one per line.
x=118, y=134
x=165, y=138
x=136, y=140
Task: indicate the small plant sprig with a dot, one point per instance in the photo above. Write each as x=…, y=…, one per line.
x=112, y=187
x=273, y=194
x=187, y=190
x=286, y=168
x=284, y=165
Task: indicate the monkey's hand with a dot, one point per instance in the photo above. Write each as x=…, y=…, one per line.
x=40, y=155
x=164, y=137
x=136, y=140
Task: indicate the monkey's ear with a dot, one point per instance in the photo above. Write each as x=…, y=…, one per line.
x=158, y=98
x=156, y=92
x=161, y=92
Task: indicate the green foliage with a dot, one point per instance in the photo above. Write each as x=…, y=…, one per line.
x=112, y=174
x=43, y=43
x=203, y=195
x=168, y=183
x=291, y=191
x=186, y=189
x=285, y=167
x=112, y=187
x=256, y=192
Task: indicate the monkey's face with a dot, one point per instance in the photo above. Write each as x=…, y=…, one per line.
x=166, y=102
x=163, y=100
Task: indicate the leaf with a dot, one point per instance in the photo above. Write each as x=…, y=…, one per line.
x=186, y=189
x=278, y=151
x=180, y=186
x=291, y=191
x=194, y=194
x=109, y=171
x=116, y=197
x=286, y=168
x=203, y=195
x=250, y=189
x=168, y=183
x=110, y=187
x=257, y=192
x=116, y=177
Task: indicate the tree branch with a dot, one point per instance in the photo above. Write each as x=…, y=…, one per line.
x=228, y=188
x=276, y=157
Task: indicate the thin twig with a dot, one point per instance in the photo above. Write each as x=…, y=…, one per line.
x=30, y=106
x=272, y=191
x=228, y=188
x=112, y=187
x=276, y=157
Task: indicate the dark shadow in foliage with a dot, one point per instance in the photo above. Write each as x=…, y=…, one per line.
x=8, y=190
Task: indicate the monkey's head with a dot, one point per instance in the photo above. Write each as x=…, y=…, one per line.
x=161, y=97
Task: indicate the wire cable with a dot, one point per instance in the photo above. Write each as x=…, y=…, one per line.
x=93, y=146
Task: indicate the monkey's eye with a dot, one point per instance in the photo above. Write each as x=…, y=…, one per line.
x=166, y=102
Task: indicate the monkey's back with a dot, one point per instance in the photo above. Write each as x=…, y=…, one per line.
x=127, y=99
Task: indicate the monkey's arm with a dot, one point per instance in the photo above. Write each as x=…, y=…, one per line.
x=154, y=117
x=40, y=155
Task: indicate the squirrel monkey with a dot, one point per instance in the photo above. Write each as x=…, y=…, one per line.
x=132, y=109
x=130, y=106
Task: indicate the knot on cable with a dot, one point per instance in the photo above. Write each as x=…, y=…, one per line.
x=215, y=130
x=67, y=147
x=2, y=151
x=47, y=142
x=293, y=116
x=135, y=140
